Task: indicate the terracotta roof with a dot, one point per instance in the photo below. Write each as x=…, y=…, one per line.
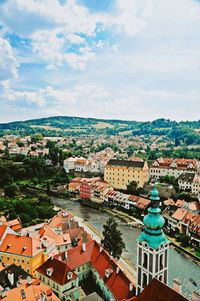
x=169, y=202
x=180, y=203
x=57, y=220
x=195, y=225
x=60, y=239
x=60, y=271
x=180, y=163
x=22, y=245
x=31, y=292
x=2, y=230
x=14, y=224
x=179, y=214
x=158, y=291
x=141, y=203
x=194, y=206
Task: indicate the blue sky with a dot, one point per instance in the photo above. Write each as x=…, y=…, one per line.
x=124, y=59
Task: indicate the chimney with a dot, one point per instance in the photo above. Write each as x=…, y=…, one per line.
x=11, y=278
x=44, y=242
x=66, y=256
x=117, y=270
x=108, y=272
x=130, y=287
x=177, y=286
x=83, y=246
x=29, y=280
x=195, y=296
x=100, y=249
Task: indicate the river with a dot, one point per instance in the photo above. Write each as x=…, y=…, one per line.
x=179, y=266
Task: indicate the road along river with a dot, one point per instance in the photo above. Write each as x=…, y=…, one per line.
x=179, y=266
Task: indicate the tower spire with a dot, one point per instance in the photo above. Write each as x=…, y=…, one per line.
x=153, y=223
x=152, y=261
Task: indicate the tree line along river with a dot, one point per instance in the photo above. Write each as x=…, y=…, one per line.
x=179, y=266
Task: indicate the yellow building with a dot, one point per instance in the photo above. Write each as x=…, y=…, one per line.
x=28, y=252
x=119, y=173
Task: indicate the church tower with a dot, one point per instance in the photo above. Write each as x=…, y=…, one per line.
x=152, y=246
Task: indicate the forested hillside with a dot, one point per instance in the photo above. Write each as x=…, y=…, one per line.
x=187, y=132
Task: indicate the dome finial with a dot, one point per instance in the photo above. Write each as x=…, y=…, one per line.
x=154, y=194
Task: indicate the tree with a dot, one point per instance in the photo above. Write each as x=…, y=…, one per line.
x=112, y=238
x=132, y=187
x=11, y=190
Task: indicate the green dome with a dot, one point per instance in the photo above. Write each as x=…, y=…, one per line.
x=153, y=234
x=154, y=220
x=154, y=194
x=153, y=240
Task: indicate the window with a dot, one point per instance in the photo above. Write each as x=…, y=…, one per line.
x=145, y=260
x=8, y=258
x=144, y=280
x=161, y=261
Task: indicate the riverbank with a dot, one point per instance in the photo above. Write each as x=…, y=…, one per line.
x=122, y=262
x=122, y=216
x=184, y=251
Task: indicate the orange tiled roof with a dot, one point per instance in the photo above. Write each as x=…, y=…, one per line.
x=180, y=203
x=179, y=214
x=57, y=220
x=194, y=206
x=32, y=292
x=2, y=230
x=14, y=224
x=169, y=202
x=21, y=245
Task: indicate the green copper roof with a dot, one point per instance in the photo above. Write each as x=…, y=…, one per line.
x=154, y=195
x=153, y=220
x=153, y=234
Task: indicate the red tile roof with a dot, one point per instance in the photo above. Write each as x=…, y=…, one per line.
x=179, y=214
x=158, y=291
x=60, y=271
x=117, y=282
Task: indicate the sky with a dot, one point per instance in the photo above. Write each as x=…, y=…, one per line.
x=122, y=59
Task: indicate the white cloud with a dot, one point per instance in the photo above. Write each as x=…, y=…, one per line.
x=53, y=26
x=75, y=39
x=48, y=45
x=49, y=95
x=79, y=61
x=8, y=62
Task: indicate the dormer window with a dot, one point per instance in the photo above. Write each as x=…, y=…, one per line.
x=108, y=272
x=69, y=275
x=49, y=272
